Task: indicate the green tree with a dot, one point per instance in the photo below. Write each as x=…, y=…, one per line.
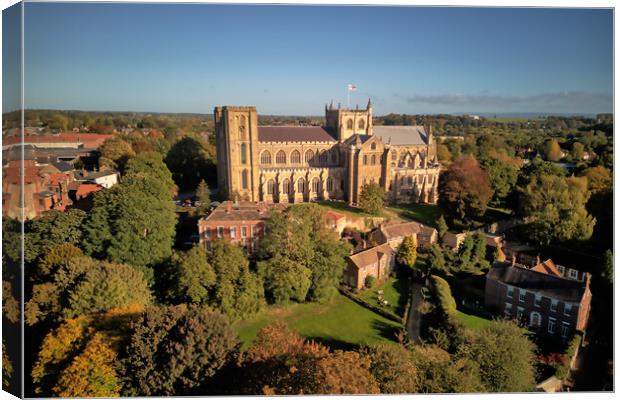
x=608, y=269
x=237, y=292
x=393, y=368
x=503, y=177
x=53, y=228
x=59, y=121
x=7, y=367
x=191, y=160
x=552, y=150
x=203, y=195
x=577, y=152
x=599, y=179
x=173, y=350
x=285, y=280
x=407, y=253
x=442, y=227
x=464, y=190
x=195, y=276
x=555, y=209
x=440, y=372
x=372, y=199
x=505, y=356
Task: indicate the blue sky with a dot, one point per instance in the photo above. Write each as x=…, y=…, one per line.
x=294, y=59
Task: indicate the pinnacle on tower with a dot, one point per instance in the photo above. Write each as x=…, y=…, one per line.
x=369, y=105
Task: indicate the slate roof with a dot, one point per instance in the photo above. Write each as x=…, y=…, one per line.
x=370, y=256
x=242, y=211
x=294, y=134
x=538, y=282
x=100, y=174
x=401, y=134
x=405, y=229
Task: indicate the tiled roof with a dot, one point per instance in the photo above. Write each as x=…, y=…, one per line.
x=89, y=139
x=87, y=188
x=241, y=211
x=370, y=256
x=333, y=216
x=547, y=267
x=294, y=134
x=538, y=282
x=405, y=229
x=401, y=134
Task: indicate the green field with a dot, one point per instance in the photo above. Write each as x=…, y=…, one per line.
x=425, y=213
x=395, y=291
x=344, y=208
x=339, y=323
x=472, y=321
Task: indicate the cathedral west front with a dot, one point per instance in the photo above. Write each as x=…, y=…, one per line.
x=293, y=164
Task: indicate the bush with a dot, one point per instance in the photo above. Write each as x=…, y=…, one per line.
x=562, y=369
x=370, y=281
x=442, y=292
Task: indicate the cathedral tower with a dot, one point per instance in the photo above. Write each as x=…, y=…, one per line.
x=346, y=122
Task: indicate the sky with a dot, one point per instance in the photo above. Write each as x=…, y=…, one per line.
x=291, y=60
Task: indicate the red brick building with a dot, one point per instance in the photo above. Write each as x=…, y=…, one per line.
x=241, y=223
x=550, y=299
x=377, y=261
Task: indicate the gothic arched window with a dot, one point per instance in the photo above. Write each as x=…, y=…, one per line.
x=330, y=184
x=265, y=158
x=271, y=187
x=281, y=157
x=323, y=157
x=361, y=124
x=535, y=319
x=243, y=153
x=349, y=123
x=334, y=156
x=286, y=186
x=316, y=185
x=244, y=179
x=295, y=157
x=373, y=160
x=301, y=185
x=309, y=156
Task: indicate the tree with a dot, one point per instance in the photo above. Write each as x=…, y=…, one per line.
x=442, y=227
x=172, y=350
x=599, y=179
x=115, y=153
x=52, y=229
x=195, y=276
x=370, y=281
x=59, y=122
x=55, y=259
x=439, y=372
x=555, y=209
x=7, y=367
x=552, y=150
x=237, y=292
x=577, y=151
x=134, y=222
x=393, y=368
x=608, y=271
x=505, y=356
x=443, y=154
x=464, y=190
x=407, y=252
x=203, y=195
x=372, y=199
x=285, y=279
x=191, y=160
x=503, y=177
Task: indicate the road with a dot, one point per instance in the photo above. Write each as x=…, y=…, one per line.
x=413, y=319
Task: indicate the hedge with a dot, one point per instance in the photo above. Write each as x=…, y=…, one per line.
x=442, y=292
x=562, y=370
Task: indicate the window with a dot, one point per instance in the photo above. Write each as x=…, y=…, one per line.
x=567, y=309
x=572, y=273
x=208, y=233
x=521, y=296
x=565, y=330
x=244, y=179
x=301, y=185
x=410, y=180
x=254, y=230
x=244, y=231
x=520, y=311
x=271, y=187
x=537, y=300
x=561, y=269
x=316, y=185
x=365, y=159
x=330, y=184
x=535, y=319
x=349, y=123
x=554, y=305
x=551, y=325
x=334, y=156
x=242, y=127
x=265, y=158
x=286, y=186
x=509, y=292
x=295, y=157
x=361, y=124
x=323, y=157
x=508, y=310
x=373, y=146
x=394, y=156
x=233, y=232
x=243, y=155
x=220, y=232
x=309, y=156
x=373, y=160
x=281, y=157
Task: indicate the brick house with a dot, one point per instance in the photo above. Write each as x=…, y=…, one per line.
x=394, y=234
x=550, y=299
x=377, y=261
x=240, y=223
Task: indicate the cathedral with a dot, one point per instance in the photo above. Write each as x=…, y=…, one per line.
x=293, y=164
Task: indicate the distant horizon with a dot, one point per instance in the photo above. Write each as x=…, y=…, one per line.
x=291, y=59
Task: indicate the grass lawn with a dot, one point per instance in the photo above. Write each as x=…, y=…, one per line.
x=395, y=291
x=425, y=213
x=344, y=208
x=472, y=321
x=339, y=323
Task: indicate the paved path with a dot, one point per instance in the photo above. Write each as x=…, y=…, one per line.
x=413, y=319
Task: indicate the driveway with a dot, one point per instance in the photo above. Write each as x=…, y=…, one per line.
x=414, y=317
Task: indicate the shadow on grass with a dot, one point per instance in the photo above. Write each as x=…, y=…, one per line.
x=334, y=344
x=386, y=330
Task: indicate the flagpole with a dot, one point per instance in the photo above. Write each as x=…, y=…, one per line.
x=348, y=97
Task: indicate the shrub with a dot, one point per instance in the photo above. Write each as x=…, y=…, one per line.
x=442, y=292
x=370, y=281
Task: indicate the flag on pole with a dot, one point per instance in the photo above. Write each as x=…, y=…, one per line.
x=352, y=87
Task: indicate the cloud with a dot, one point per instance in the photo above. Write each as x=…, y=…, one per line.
x=547, y=100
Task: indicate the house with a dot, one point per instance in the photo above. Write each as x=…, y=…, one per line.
x=82, y=195
x=394, y=234
x=377, y=261
x=454, y=240
x=240, y=223
x=550, y=299
x=106, y=178
x=335, y=221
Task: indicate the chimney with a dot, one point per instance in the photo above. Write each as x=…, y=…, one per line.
x=537, y=259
